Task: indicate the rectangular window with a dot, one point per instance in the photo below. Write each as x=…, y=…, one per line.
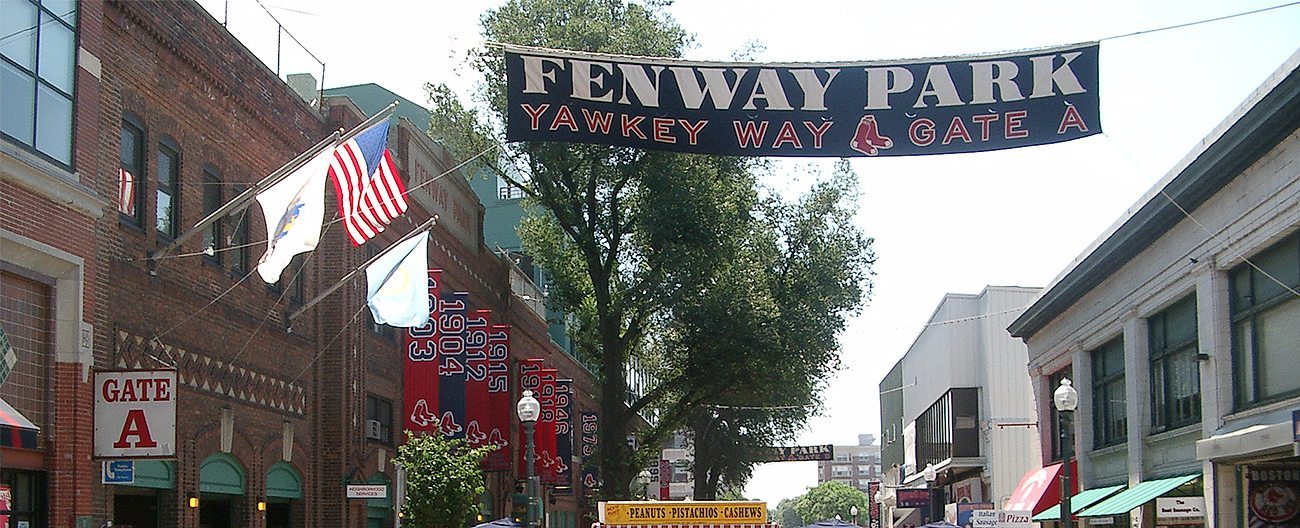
x=1265, y=315
x=1175, y=376
x=167, y=208
x=212, y=239
x=379, y=410
x=37, y=61
x=1109, y=418
x=238, y=242
x=130, y=185
x=297, y=277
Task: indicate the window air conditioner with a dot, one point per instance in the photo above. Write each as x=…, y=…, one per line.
x=372, y=430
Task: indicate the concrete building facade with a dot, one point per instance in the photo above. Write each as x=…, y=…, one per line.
x=852, y=465
x=1177, y=327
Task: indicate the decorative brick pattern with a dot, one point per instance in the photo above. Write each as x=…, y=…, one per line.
x=207, y=374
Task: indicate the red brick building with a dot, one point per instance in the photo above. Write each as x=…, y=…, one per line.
x=272, y=423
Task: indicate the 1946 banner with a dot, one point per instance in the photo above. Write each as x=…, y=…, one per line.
x=885, y=108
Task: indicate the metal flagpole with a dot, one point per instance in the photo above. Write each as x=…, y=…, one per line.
x=294, y=315
x=244, y=198
x=240, y=202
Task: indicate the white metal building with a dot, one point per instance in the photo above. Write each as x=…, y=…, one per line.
x=967, y=407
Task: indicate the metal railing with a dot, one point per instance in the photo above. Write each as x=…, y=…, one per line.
x=253, y=24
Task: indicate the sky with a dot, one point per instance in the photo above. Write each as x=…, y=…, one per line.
x=941, y=224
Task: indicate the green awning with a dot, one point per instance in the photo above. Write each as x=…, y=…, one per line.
x=1079, y=501
x=1124, y=501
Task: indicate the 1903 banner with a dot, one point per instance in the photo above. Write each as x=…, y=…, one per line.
x=882, y=108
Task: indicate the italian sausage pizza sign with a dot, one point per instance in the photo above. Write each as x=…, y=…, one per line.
x=883, y=108
x=135, y=414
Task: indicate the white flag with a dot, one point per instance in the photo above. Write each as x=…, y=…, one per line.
x=294, y=209
x=397, y=287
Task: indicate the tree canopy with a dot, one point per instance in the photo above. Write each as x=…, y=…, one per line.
x=443, y=480
x=829, y=499
x=678, y=260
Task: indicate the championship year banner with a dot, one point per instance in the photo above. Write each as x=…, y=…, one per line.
x=420, y=399
x=453, y=309
x=564, y=436
x=834, y=109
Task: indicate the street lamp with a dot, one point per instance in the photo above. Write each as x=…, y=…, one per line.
x=930, y=476
x=853, y=510
x=1066, y=399
x=529, y=409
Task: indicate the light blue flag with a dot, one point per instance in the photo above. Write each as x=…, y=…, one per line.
x=397, y=284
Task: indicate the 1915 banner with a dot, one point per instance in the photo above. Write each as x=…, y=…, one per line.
x=882, y=108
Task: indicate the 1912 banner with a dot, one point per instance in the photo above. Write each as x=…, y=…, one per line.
x=880, y=108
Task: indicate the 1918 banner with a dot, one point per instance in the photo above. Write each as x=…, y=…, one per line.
x=881, y=108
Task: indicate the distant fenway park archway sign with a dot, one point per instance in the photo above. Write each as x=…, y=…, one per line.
x=885, y=108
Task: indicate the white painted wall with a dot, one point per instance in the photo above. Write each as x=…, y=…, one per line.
x=965, y=344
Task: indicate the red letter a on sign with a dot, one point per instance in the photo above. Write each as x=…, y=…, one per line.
x=138, y=427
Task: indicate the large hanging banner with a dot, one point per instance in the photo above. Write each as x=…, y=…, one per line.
x=530, y=378
x=546, y=427
x=590, y=469
x=839, y=109
x=420, y=401
x=477, y=413
x=501, y=408
x=563, y=436
x=451, y=362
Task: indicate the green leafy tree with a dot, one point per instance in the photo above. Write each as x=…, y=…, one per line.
x=756, y=344
x=443, y=481
x=829, y=499
x=633, y=241
x=786, y=515
x=623, y=233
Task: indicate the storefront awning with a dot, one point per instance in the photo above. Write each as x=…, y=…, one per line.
x=1038, y=490
x=1126, y=500
x=15, y=429
x=1079, y=501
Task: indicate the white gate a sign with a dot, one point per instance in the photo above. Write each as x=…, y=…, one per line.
x=135, y=413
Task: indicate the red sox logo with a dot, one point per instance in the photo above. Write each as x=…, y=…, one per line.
x=867, y=138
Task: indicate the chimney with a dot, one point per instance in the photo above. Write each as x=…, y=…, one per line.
x=304, y=84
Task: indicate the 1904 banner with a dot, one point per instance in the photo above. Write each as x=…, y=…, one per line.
x=884, y=108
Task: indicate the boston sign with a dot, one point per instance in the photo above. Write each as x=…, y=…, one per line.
x=890, y=108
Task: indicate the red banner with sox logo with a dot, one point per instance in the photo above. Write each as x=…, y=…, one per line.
x=500, y=408
x=832, y=109
x=530, y=379
x=546, y=430
x=477, y=413
x=420, y=373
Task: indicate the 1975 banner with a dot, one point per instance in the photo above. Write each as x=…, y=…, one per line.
x=885, y=108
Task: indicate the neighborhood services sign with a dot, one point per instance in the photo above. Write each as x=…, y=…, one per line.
x=135, y=413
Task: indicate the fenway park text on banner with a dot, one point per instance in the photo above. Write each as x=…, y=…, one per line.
x=894, y=108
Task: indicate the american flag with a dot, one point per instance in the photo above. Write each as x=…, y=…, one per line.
x=125, y=192
x=369, y=189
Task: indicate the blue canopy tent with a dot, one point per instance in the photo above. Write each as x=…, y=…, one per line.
x=831, y=523
x=504, y=522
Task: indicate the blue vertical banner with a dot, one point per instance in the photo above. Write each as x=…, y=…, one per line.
x=910, y=107
x=451, y=363
x=588, y=433
x=564, y=436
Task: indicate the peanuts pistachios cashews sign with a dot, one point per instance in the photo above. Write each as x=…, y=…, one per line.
x=676, y=512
